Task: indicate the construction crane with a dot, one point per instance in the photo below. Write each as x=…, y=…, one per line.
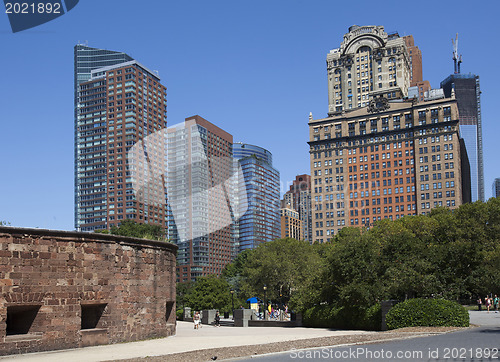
x=456, y=59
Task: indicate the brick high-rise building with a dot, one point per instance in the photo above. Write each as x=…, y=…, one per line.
x=201, y=184
x=418, y=86
x=298, y=198
x=387, y=160
x=380, y=153
x=118, y=103
x=291, y=225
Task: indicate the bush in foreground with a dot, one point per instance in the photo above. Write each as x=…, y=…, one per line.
x=427, y=312
x=331, y=316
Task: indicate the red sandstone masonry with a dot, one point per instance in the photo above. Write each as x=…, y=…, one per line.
x=59, y=271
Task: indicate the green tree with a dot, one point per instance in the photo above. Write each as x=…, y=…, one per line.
x=132, y=229
x=233, y=273
x=182, y=291
x=354, y=269
x=284, y=266
x=209, y=292
x=4, y=223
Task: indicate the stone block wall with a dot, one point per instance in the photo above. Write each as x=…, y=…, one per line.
x=67, y=289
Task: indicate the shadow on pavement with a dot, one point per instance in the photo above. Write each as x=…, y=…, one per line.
x=490, y=330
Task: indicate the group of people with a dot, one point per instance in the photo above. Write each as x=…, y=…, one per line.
x=489, y=302
x=197, y=320
x=274, y=312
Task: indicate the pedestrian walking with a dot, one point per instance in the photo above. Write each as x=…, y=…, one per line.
x=488, y=303
x=197, y=320
x=496, y=301
x=217, y=319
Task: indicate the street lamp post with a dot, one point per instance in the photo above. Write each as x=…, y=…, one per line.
x=265, y=302
x=232, y=301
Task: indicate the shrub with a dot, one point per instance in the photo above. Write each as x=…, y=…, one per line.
x=427, y=312
x=331, y=316
x=179, y=314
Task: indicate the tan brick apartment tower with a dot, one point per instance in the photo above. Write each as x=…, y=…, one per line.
x=291, y=225
x=379, y=154
x=298, y=198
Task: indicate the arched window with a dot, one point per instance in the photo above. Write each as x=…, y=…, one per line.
x=364, y=49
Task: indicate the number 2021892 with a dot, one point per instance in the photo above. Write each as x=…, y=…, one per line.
x=40, y=8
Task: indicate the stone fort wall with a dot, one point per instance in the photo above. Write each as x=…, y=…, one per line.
x=67, y=289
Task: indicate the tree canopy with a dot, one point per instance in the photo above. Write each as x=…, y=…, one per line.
x=136, y=230
x=453, y=254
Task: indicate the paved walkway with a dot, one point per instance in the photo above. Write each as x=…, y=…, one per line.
x=485, y=319
x=189, y=339
x=186, y=339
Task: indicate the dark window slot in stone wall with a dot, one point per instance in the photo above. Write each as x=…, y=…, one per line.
x=91, y=314
x=20, y=318
x=169, y=311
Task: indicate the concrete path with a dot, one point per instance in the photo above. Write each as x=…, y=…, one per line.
x=187, y=339
x=485, y=319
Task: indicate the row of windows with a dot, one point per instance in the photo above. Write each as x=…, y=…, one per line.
x=437, y=148
x=426, y=205
x=437, y=195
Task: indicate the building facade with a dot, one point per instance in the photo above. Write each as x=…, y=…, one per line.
x=298, y=198
x=468, y=94
x=258, y=196
x=387, y=160
x=86, y=284
x=118, y=104
x=369, y=63
x=496, y=188
x=87, y=59
x=200, y=185
x=291, y=225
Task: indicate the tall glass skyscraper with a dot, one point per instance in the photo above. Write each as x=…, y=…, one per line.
x=260, y=184
x=119, y=105
x=468, y=95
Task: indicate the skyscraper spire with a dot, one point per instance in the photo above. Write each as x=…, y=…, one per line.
x=456, y=58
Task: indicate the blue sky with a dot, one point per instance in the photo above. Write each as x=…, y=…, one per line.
x=254, y=68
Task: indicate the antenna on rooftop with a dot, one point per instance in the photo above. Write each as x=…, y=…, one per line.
x=456, y=59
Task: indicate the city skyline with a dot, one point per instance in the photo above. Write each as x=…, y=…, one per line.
x=268, y=71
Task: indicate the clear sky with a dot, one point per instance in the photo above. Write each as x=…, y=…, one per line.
x=254, y=68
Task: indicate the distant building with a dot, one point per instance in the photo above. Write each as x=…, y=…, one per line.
x=418, y=86
x=496, y=188
x=259, y=220
x=200, y=190
x=118, y=104
x=298, y=198
x=465, y=88
x=291, y=225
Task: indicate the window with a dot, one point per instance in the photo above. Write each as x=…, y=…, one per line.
x=91, y=315
x=20, y=318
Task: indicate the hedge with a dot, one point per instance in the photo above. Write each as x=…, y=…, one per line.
x=427, y=312
x=331, y=316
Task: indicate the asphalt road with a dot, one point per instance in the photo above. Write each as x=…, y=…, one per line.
x=477, y=344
